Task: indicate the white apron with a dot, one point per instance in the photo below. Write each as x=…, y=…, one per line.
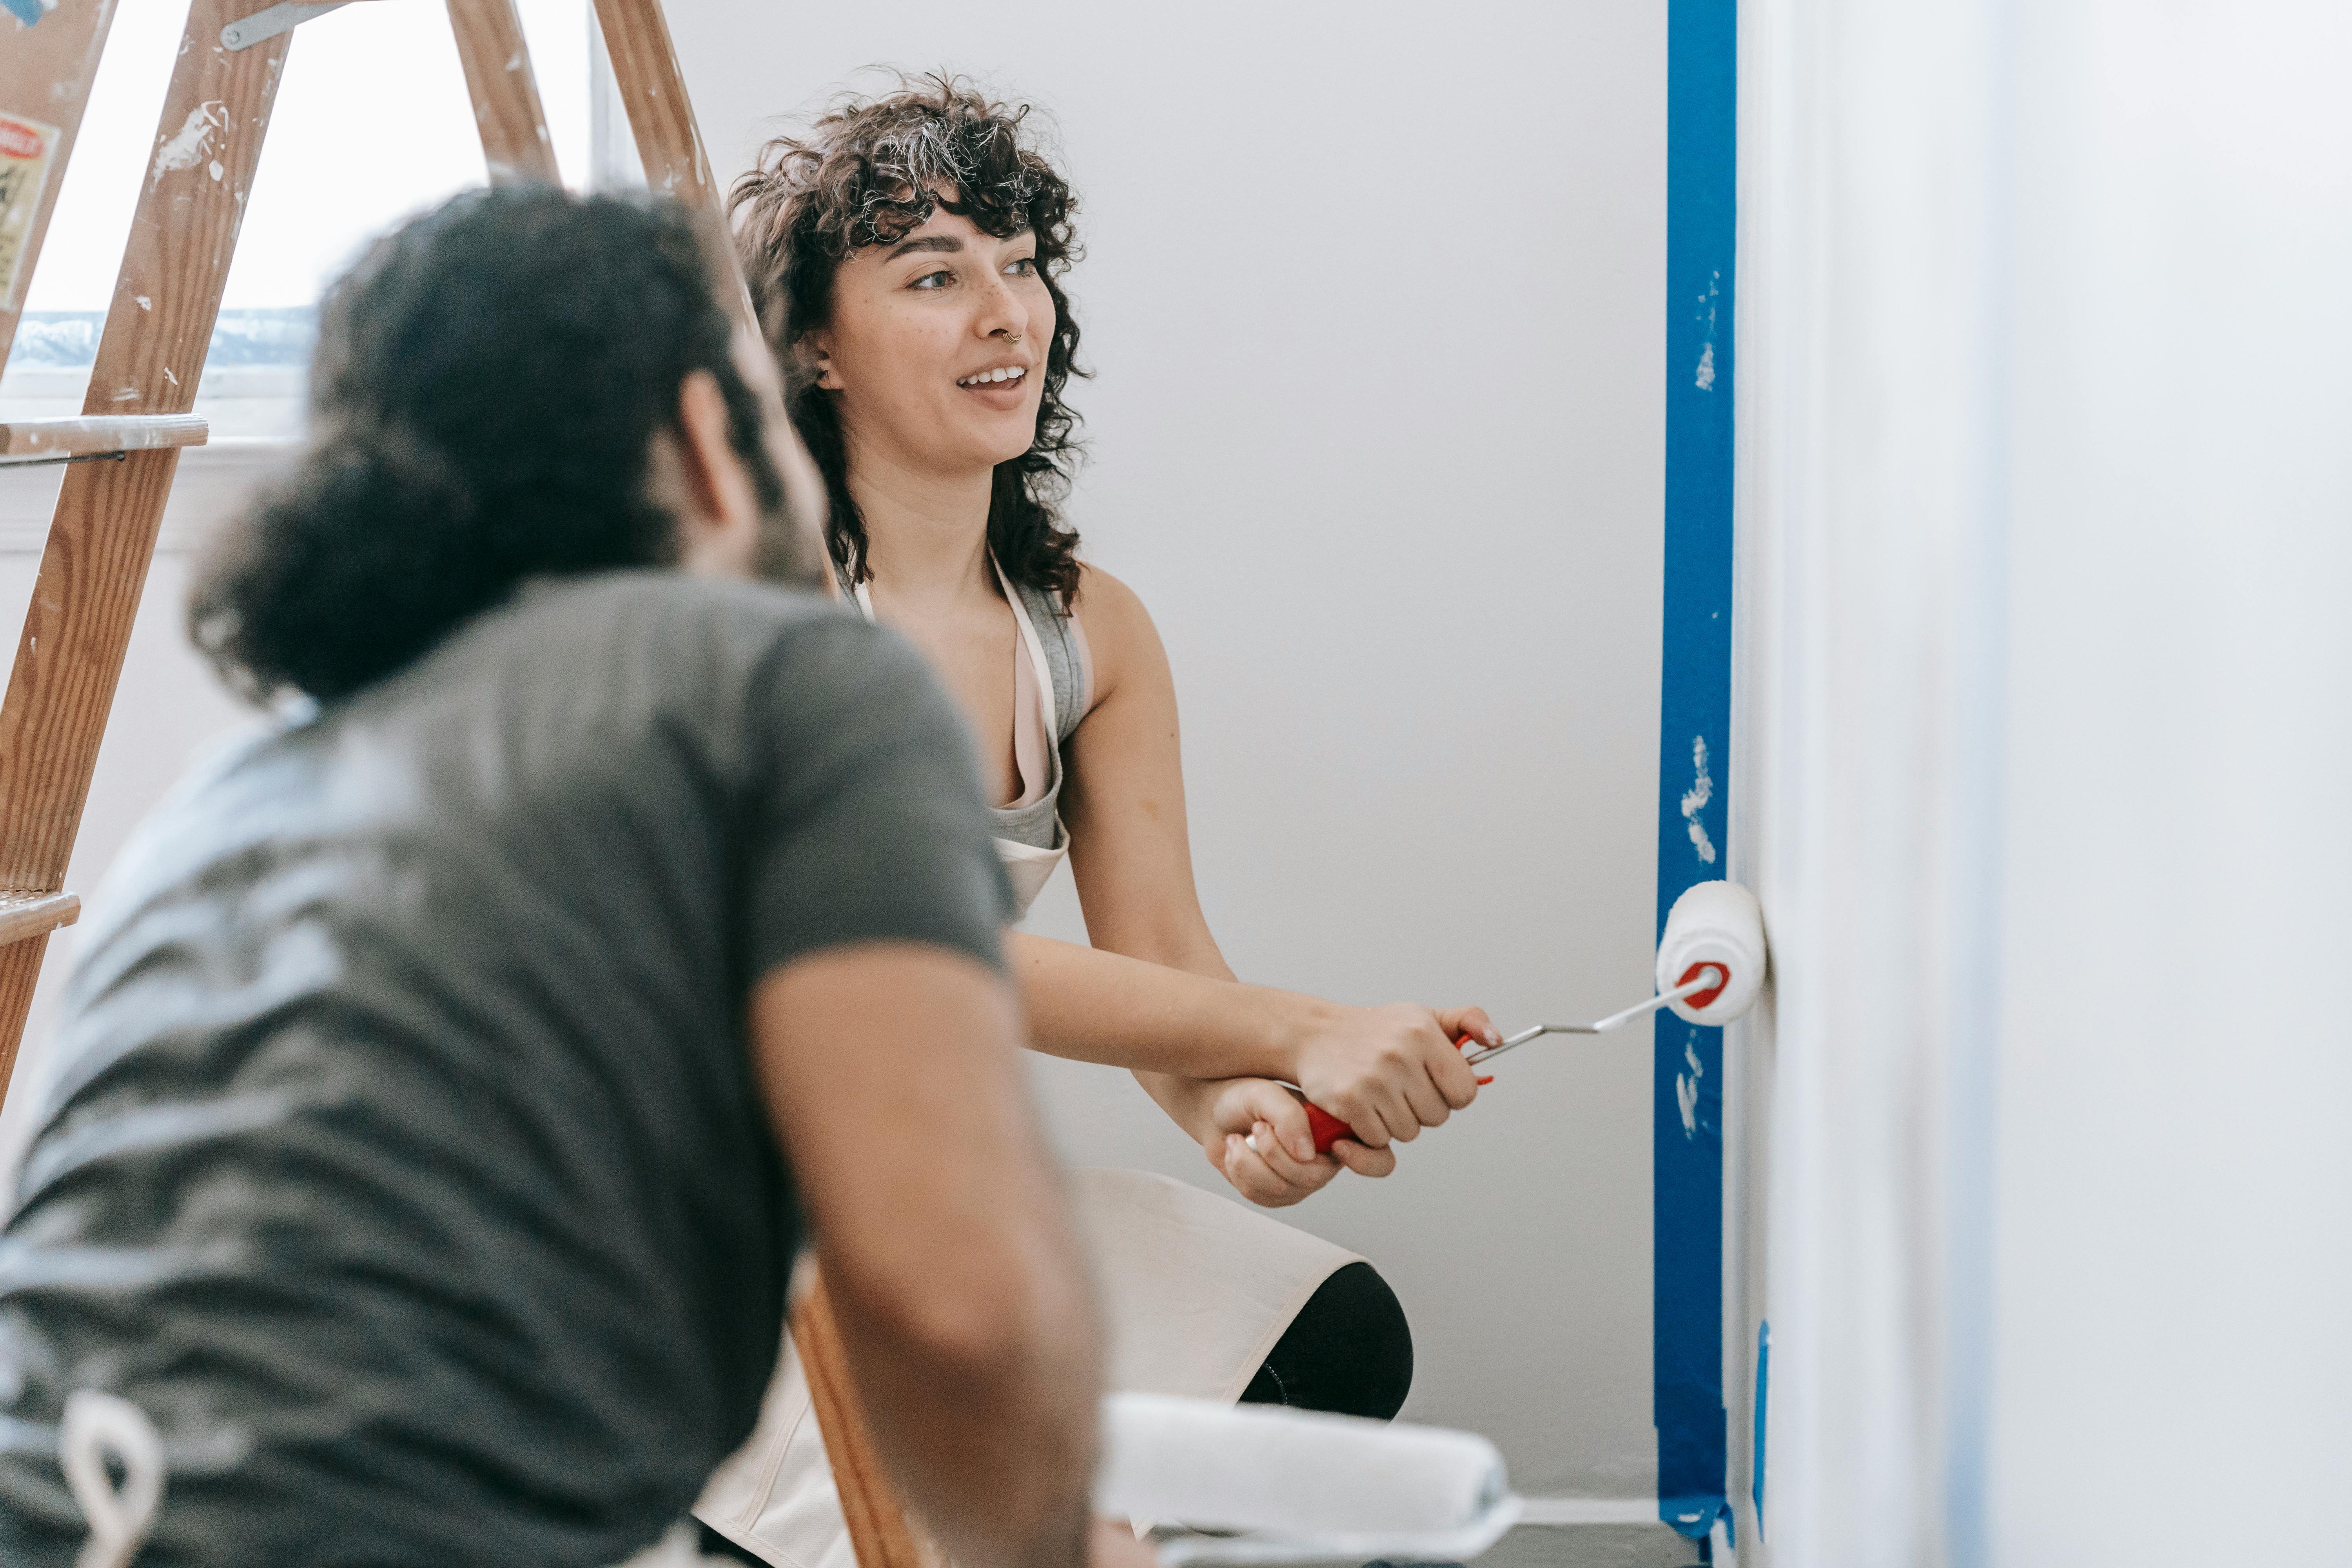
x=1195, y=1291
x=1195, y=1287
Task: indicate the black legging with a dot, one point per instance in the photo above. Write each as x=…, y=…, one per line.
x=1348, y=1350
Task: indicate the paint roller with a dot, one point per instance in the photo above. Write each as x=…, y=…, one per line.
x=1218, y=1483
x=1710, y=969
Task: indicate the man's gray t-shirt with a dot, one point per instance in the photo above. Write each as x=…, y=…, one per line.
x=405, y=1159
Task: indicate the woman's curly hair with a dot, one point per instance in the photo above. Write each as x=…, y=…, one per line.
x=867, y=173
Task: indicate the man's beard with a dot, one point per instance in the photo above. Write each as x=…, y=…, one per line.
x=789, y=548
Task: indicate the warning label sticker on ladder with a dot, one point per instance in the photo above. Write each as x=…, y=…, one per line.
x=25, y=148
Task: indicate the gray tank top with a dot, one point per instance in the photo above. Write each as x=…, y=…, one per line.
x=1039, y=823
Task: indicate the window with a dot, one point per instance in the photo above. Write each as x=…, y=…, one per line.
x=372, y=123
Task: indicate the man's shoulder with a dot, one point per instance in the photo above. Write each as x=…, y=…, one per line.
x=667, y=644
x=621, y=600
x=681, y=625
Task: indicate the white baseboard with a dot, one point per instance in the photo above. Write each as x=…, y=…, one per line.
x=1556, y=1511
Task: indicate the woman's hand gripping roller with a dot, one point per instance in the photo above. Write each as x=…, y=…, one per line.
x=1711, y=964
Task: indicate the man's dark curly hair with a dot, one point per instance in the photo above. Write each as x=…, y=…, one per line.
x=868, y=173
x=483, y=398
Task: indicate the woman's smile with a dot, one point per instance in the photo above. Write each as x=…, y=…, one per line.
x=1002, y=386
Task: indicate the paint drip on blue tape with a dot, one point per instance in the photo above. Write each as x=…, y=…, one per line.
x=1695, y=737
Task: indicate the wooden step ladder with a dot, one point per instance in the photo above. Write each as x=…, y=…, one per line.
x=125, y=447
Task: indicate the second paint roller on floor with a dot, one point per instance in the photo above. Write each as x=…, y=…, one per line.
x=1711, y=966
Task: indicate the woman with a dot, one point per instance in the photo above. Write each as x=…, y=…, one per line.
x=906, y=257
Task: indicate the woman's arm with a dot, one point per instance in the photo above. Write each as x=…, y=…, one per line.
x=1380, y=1069
x=1173, y=1011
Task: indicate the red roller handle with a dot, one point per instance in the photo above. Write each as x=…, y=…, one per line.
x=1328, y=1129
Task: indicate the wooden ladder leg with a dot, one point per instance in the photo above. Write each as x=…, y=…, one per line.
x=661, y=118
x=44, y=77
x=20, y=972
x=515, y=143
x=880, y=1529
x=150, y=359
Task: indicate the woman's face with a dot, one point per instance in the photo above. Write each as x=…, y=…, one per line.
x=936, y=347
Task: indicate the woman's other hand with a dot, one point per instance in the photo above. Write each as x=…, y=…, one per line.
x=1259, y=1141
x=1388, y=1072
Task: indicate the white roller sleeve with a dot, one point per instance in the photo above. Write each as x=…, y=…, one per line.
x=1715, y=922
x=1293, y=1480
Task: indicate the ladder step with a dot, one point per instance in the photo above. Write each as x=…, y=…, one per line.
x=25, y=915
x=47, y=440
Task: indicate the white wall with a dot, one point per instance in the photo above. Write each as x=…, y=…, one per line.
x=2175, y=1184
x=2044, y=734
x=1377, y=301
x=1867, y=656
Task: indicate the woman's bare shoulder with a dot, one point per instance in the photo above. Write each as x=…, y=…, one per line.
x=1119, y=629
x=1100, y=592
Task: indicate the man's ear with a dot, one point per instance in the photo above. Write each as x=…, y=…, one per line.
x=716, y=503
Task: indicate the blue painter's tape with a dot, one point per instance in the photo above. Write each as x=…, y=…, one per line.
x=1763, y=1397
x=1695, y=738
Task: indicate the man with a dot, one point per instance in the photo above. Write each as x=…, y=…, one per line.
x=415, y=1156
